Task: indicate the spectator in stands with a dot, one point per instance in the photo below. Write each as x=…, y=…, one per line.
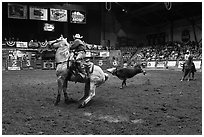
x=125, y=64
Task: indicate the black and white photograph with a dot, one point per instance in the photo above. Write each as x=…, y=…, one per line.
x=101, y=67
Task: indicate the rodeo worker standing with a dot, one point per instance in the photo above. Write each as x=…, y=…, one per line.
x=79, y=49
x=186, y=57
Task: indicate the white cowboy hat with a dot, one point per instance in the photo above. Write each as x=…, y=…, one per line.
x=77, y=36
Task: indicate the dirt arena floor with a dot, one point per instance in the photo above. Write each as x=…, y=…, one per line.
x=153, y=104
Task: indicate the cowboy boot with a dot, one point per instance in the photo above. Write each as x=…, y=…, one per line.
x=79, y=70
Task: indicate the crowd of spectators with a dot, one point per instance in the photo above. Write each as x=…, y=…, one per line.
x=169, y=51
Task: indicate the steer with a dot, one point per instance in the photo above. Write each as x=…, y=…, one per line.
x=126, y=73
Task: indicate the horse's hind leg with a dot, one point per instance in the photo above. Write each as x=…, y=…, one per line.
x=189, y=75
x=86, y=90
x=90, y=96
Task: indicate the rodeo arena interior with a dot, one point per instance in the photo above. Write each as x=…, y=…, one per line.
x=101, y=68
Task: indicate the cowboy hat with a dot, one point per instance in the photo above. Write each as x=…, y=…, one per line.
x=77, y=36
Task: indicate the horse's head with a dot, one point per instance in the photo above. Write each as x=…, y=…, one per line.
x=60, y=42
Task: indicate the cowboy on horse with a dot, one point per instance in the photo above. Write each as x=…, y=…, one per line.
x=79, y=54
x=188, y=60
x=188, y=66
x=66, y=70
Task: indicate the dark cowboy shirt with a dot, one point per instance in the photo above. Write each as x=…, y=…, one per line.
x=78, y=45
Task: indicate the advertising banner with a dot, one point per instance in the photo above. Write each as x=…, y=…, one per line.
x=180, y=64
x=151, y=64
x=77, y=17
x=161, y=64
x=171, y=63
x=88, y=54
x=197, y=64
x=104, y=54
x=17, y=11
x=58, y=15
x=48, y=64
x=38, y=13
x=21, y=44
x=13, y=65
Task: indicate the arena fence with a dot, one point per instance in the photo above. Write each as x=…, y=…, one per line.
x=104, y=63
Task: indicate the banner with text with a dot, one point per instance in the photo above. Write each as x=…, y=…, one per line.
x=78, y=17
x=58, y=15
x=17, y=11
x=38, y=13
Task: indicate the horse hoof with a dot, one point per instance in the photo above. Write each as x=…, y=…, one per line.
x=82, y=105
x=56, y=104
x=69, y=101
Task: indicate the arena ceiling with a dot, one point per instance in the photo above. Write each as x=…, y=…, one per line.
x=153, y=13
x=143, y=13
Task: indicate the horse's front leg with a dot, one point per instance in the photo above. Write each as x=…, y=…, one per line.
x=184, y=75
x=60, y=81
x=66, y=99
x=193, y=75
x=91, y=94
x=189, y=75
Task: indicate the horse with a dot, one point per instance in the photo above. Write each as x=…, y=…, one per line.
x=65, y=72
x=126, y=73
x=188, y=68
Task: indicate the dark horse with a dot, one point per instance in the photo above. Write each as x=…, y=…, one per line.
x=188, y=68
x=65, y=72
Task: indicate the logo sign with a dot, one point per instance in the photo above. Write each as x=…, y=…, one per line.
x=17, y=11
x=88, y=54
x=100, y=62
x=38, y=13
x=58, y=15
x=49, y=27
x=151, y=64
x=115, y=63
x=78, y=17
x=10, y=43
x=43, y=44
x=32, y=44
